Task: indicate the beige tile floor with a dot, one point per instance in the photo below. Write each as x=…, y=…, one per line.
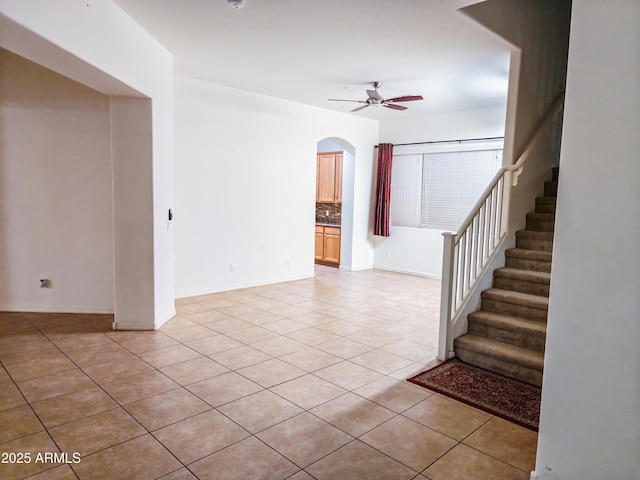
x=297, y=380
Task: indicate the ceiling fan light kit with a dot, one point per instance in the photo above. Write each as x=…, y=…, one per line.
x=374, y=99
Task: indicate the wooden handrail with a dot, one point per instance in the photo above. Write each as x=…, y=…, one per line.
x=518, y=165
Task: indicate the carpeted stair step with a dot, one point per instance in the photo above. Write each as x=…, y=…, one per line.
x=525, y=281
x=505, y=328
x=508, y=334
x=528, y=259
x=510, y=360
x=555, y=173
x=546, y=204
x=517, y=304
x=551, y=189
x=532, y=240
x=541, y=222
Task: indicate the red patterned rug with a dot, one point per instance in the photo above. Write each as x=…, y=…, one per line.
x=502, y=396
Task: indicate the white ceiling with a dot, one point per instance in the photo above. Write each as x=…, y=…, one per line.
x=311, y=50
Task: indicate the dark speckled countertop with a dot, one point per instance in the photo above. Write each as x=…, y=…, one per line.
x=328, y=214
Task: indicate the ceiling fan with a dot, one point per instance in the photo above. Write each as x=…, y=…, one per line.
x=376, y=100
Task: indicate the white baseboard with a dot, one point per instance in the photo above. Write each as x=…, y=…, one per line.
x=72, y=309
x=143, y=326
x=238, y=286
x=407, y=272
x=355, y=269
x=158, y=324
x=132, y=326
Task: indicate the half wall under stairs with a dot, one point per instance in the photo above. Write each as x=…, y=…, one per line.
x=507, y=335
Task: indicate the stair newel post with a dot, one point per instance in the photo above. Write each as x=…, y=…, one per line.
x=447, y=297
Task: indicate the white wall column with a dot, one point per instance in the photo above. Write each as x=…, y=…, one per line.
x=591, y=386
x=132, y=158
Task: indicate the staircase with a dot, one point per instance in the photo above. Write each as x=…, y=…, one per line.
x=507, y=335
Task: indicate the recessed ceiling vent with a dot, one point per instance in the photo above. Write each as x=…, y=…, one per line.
x=235, y=3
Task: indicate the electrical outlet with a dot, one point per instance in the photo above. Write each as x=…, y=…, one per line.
x=232, y=267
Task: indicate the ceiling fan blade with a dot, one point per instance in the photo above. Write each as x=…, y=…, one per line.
x=341, y=100
x=360, y=108
x=406, y=98
x=395, y=107
x=374, y=94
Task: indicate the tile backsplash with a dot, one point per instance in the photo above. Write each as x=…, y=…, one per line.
x=330, y=213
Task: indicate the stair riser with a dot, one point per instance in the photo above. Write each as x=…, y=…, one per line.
x=540, y=225
x=531, y=340
x=520, y=311
x=527, y=264
x=521, y=286
x=545, y=207
x=551, y=189
x=534, y=244
x=503, y=367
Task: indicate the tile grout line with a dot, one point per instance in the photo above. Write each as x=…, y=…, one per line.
x=353, y=297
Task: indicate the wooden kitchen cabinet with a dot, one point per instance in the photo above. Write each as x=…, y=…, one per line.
x=329, y=177
x=332, y=245
x=327, y=245
x=319, y=243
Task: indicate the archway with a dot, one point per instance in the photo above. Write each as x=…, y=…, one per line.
x=336, y=144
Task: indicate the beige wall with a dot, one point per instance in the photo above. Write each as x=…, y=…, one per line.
x=98, y=45
x=56, y=220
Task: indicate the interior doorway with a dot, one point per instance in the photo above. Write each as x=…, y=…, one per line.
x=335, y=166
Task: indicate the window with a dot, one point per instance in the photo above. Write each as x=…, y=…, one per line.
x=437, y=190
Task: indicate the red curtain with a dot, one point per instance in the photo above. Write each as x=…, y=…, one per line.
x=383, y=190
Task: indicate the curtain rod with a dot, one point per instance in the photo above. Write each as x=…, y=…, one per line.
x=449, y=141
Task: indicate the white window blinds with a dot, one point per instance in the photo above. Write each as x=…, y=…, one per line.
x=437, y=190
x=406, y=191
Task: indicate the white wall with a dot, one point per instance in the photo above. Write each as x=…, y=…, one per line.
x=98, y=45
x=56, y=220
x=245, y=169
x=538, y=30
x=418, y=250
x=591, y=386
x=457, y=125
